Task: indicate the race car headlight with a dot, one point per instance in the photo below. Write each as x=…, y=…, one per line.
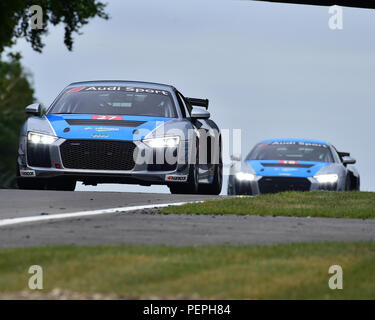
x=40, y=138
x=327, y=178
x=243, y=176
x=166, y=142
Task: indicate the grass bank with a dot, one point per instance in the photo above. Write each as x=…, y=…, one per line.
x=298, y=271
x=302, y=204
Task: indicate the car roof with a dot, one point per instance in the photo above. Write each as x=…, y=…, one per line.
x=296, y=140
x=151, y=85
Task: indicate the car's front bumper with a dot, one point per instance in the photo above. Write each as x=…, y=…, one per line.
x=269, y=184
x=50, y=163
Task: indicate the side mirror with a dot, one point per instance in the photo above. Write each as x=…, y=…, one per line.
x=348, y=160
x=198, y=113
x=235, y=157
x=34, y=109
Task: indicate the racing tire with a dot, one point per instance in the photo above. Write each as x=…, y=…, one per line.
x=215, y=187
x=358, y=184
x=348, y=183
x=192, y=184
x=189, y=187
x=352, y=185
x=59, y=184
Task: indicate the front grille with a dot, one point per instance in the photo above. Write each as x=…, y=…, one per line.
x=280, y=184
x=98, y=155
x=38, y=155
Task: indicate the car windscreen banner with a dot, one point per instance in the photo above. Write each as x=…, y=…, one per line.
x=119, y=88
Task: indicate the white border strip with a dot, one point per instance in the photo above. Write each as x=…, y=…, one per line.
x=59, y=216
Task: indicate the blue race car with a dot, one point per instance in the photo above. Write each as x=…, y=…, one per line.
x=121, y=132
x=292, y=165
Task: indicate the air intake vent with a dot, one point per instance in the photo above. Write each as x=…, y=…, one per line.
x=280, y=184
x=98, y=155
x=38, y=155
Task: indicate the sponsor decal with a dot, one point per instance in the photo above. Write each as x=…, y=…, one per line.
x=299, y=143
x=176, y=178
x=27, y=173
x=126, y=89
x=101, y=129
x=107, y=117
x=100, y=136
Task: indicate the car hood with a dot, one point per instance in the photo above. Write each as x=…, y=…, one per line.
x=275, y=168
x=88, y=126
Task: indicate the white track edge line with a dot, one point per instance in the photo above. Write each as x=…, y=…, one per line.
x=13, y=221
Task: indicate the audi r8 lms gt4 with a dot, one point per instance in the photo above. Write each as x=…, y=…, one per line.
x=121, y=132
x=292, y=165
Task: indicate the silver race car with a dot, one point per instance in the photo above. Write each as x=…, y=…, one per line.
x=121, y=132
x=292, y=165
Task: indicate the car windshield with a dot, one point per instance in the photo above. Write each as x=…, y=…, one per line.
x=115, y=100
x=295, y=151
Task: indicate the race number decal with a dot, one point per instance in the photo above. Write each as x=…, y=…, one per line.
x=288, y=162
x=107, y=117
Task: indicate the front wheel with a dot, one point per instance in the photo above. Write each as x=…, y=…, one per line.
x=215, y=187
x=348, y=183
x=189, y=187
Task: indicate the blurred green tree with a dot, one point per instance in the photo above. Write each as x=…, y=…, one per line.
x=16, y=90
x=73, y=14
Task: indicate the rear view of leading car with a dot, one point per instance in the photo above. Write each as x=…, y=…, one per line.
x=121, y=132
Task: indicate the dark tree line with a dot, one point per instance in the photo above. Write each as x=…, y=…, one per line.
x=16, y=90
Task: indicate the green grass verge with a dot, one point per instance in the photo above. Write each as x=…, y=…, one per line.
x=314, y=204
x=297, y=271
